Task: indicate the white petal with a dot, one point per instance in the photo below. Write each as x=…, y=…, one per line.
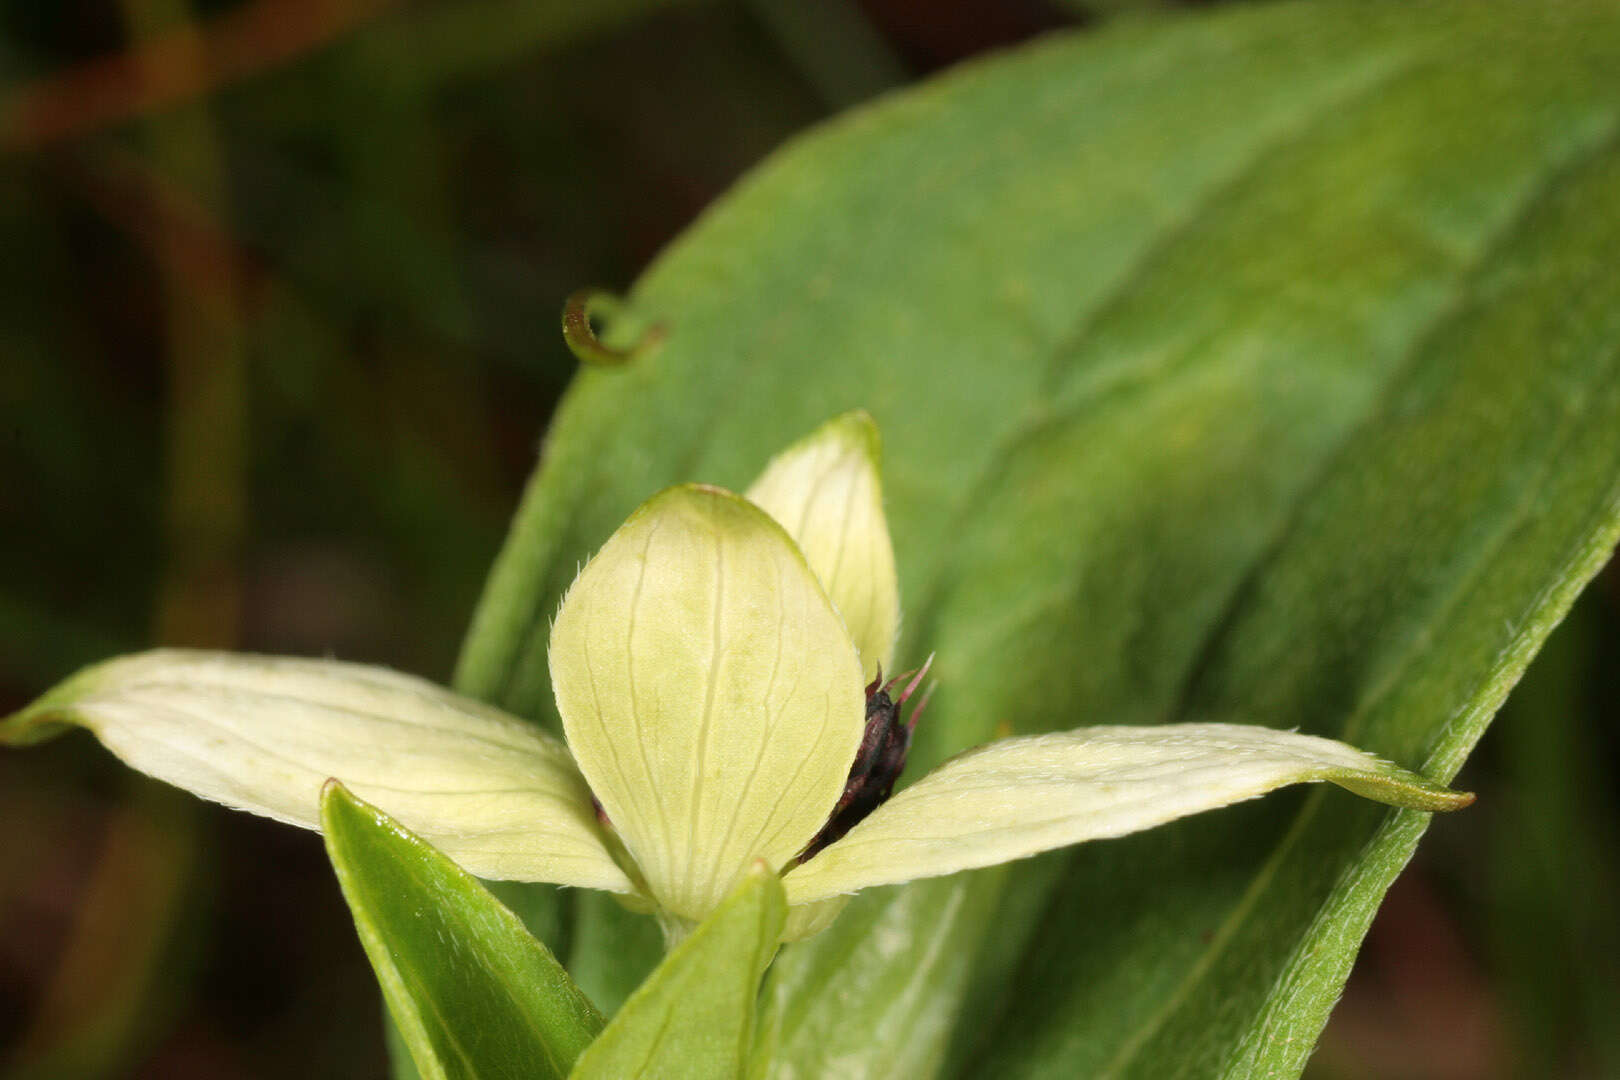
x=263, y=734
x=709, y=692
x=826, y=492
x=1021, y=796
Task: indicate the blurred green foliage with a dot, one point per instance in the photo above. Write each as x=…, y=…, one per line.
x=379, y=208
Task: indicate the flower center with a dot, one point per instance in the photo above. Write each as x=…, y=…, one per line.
x=879, y=761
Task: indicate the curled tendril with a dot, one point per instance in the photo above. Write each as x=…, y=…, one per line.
x=581, y=336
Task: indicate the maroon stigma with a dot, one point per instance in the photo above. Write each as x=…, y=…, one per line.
x=879, y=761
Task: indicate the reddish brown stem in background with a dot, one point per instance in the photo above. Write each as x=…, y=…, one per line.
x=161, y=72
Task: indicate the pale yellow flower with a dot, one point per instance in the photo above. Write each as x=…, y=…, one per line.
x=710, y=666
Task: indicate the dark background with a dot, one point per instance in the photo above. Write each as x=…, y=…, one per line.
x=278, y=338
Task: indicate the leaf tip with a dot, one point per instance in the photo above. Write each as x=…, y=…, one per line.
x=337, y=799
x=1436, y=798
x=1406, y=790
x=1458, y=800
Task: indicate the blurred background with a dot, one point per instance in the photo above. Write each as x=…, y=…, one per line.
x=278, y=340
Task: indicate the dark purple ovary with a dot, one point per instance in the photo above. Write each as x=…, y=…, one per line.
x=878, y=763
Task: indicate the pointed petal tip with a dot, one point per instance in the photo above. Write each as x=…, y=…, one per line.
x=54, y=712
x=1398, y=787
x=857, y=430
x=1434, y=798
x=827, y=491
x=31, y=724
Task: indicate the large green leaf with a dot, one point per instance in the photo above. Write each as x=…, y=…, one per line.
x=1256, y=365
x=1399, y=621
x=472, y=993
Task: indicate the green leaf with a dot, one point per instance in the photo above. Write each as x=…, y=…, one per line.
x=694, y=1016
x=1402, y=622
x=1256, y=365
x=472, y=993
x=612, y=950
